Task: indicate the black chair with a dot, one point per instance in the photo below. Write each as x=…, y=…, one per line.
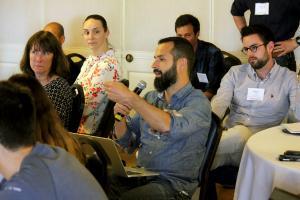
x=76, y=61
x=224, y=175
x=230, y=60
x=107, y=122
x=96, y=159
x=212, y=144
x=77, y=107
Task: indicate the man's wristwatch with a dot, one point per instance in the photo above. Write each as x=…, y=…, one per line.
x=298, y=40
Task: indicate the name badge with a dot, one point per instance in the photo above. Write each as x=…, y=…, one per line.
x=202, y=78
x=261, y=9
x=255, y=94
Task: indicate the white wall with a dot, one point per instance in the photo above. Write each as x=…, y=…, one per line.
x=72, y=14
x=157, y=18
x=135, y=26
x=20, y=19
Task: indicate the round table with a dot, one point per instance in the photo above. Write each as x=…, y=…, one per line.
x=260, y=170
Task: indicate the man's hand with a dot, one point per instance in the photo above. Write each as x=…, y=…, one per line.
x=209, y=95
x=240, y=22
x=118, y=93
x=157, y=119
x=283, y=47
x=121, y=109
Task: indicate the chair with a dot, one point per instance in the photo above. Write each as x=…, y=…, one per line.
x=108, y=119
x=75, y=60
x=212, y=144
x=225, y=175
x=96, y=159
x=230, y=60
x=77, y=107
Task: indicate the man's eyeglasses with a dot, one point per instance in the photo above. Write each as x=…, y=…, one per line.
x=252, y=48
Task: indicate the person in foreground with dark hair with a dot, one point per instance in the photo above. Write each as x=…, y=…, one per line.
x=32, y=170
x=49, y=129
x=170, y=127
x=259, y=95
x=209, y=67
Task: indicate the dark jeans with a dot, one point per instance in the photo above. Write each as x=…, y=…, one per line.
x=139, y=188
x=288, y=61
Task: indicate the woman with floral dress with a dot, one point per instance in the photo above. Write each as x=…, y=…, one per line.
x=99, y=67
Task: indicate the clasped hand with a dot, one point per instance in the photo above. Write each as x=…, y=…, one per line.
x=284, y=47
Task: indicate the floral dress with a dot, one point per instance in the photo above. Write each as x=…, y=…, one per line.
x=94, y=72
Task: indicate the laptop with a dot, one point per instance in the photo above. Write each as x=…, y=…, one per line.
x=117, y=166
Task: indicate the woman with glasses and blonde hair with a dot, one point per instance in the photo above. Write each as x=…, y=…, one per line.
x=99, y=67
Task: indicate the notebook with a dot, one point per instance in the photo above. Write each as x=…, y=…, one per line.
x=293, y=128
x=117, y=166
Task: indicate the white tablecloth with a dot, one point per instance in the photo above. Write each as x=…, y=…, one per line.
x=260, y=170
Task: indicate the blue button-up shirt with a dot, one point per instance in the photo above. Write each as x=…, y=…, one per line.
x=178, y=154
x=279, y=87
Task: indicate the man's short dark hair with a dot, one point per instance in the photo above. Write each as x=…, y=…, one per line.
x=17, y=116
x=264, y=33
x=182, y=49
x=187, y=19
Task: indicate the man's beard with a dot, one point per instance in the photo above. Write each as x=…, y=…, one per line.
x=259, y=63
x=166, y=79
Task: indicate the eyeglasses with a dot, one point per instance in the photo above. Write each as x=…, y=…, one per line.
x=252, y=48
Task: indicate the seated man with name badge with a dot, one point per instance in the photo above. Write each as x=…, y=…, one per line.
x=209, y=66
x=169, y=129
x=259, y=95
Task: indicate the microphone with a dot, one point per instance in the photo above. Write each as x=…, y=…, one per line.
x=138, y=89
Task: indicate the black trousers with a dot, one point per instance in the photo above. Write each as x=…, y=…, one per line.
x=143, y=188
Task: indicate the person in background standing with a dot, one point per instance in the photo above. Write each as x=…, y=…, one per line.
x=281, y=17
